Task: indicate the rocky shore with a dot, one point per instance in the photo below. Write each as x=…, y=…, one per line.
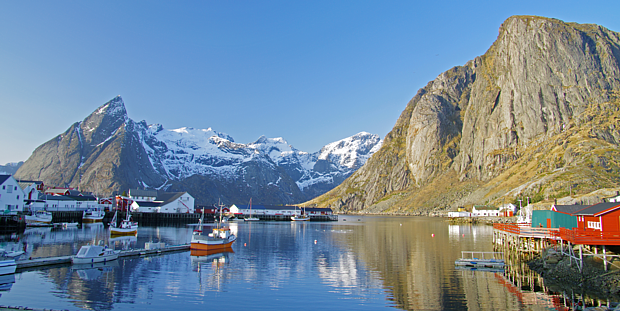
x=563, y=276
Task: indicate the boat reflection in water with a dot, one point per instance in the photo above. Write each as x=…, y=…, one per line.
x=123, y=242
x=215, y=257
x=6, y=282
x=94, y=271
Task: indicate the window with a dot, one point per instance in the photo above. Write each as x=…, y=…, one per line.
x=9, y=190
x=18, y=197
x=594, y=225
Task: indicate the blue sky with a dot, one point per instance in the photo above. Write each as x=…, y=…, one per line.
x=311, y=72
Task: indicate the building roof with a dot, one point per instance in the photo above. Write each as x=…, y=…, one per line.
x=148, y=203
x=163, y=198
x=56, y=198
x=82, y=197
x=3, y=178
x=62, y=191
x=568, y=209
x=167, y=197
x=142, y=193
x=597, y=209
x=26, y=183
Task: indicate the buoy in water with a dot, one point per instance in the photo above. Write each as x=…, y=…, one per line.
x=245, y=244
x=314, y=241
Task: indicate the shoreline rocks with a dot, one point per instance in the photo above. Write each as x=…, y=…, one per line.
x=560, y=274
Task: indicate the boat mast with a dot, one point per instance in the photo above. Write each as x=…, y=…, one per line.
x=220, y=204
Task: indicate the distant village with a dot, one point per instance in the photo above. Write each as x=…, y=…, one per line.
x=18, y=197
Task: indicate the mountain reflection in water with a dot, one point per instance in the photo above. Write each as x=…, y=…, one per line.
x=356, y=263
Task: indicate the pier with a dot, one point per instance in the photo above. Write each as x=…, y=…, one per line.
x=61, y=260
x=574, y=243
x=288, y=217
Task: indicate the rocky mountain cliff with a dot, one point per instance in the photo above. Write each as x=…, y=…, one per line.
x=108, y=152
x=535, y=116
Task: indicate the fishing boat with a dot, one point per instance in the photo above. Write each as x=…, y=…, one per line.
x=38, y=218
x=251, y=218
x=302, y=217
x=94, y=253
x=219, y=238
x=7, y=261
x=93, y=215
x=126, y=227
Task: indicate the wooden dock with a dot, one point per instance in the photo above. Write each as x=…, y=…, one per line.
x=62, y=260
x=481, y=259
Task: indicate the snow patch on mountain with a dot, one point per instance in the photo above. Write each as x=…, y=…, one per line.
x=186, y=151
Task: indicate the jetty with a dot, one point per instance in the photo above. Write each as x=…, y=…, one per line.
x=150, y=249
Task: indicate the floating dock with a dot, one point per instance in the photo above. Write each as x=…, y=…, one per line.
x=61, y=260
x=492, y=260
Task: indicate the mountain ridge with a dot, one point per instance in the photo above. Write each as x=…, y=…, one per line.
x=109, y=152
x=461, y=133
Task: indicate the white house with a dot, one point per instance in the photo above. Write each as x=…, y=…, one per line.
x=32, y=189
x=143, y=195
x=459, y=214
x=11, y=195
x=479, y=211
x=166, y=202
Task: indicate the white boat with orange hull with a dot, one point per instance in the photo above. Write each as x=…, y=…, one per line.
x=126, y=227
x=218, y=239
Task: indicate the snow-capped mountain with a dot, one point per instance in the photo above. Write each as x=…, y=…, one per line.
x=109, y=152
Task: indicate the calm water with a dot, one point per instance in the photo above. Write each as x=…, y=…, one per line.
x=353, y=264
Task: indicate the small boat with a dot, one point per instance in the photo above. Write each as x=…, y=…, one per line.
x=126, y=227
x=251, y=218
x=219, y=238
x=302, y=217
x=92, y=215
x=94, y=253
x=38, y=218
x=7, y=261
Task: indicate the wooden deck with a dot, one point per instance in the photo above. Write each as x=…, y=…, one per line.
x=578, y=236
x=528, y=232
x=574, y=236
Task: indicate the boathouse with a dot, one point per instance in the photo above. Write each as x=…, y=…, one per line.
x=604, y=217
